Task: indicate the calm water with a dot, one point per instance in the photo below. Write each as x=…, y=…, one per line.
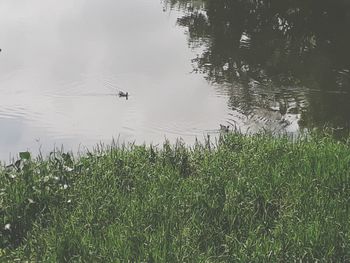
x=188, y=67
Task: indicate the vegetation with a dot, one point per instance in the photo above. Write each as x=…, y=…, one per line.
x=245, y=199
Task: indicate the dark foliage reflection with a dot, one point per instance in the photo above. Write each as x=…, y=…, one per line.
x=283, y=63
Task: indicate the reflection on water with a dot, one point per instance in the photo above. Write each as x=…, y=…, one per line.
x=255, y=65
x=63, y=63
x=284, y=65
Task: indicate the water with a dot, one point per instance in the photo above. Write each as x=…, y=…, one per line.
x=285, y=66
x=187, y=66
x=63, y=63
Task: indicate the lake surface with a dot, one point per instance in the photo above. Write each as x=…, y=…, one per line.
x=188, y=66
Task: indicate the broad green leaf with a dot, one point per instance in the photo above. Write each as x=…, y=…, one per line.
x=24, y=155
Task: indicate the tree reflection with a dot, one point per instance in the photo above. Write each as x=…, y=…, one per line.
x=285, y=57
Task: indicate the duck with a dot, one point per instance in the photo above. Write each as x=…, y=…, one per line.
x=224, y=128
x=123, y=94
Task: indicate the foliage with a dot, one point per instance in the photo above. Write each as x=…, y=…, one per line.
x=246, y=198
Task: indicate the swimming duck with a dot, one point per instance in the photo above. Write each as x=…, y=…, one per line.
x=224, y=128
x=123, y=94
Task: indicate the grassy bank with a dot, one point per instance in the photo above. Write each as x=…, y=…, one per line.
x=245, y=199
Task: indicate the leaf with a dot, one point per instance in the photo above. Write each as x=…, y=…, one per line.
x=24, y=155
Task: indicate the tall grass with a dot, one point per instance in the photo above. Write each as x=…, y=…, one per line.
x=245, y=199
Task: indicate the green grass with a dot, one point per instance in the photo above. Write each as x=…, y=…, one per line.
x=245, y=199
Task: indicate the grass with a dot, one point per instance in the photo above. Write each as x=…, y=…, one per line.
x=245, y=199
